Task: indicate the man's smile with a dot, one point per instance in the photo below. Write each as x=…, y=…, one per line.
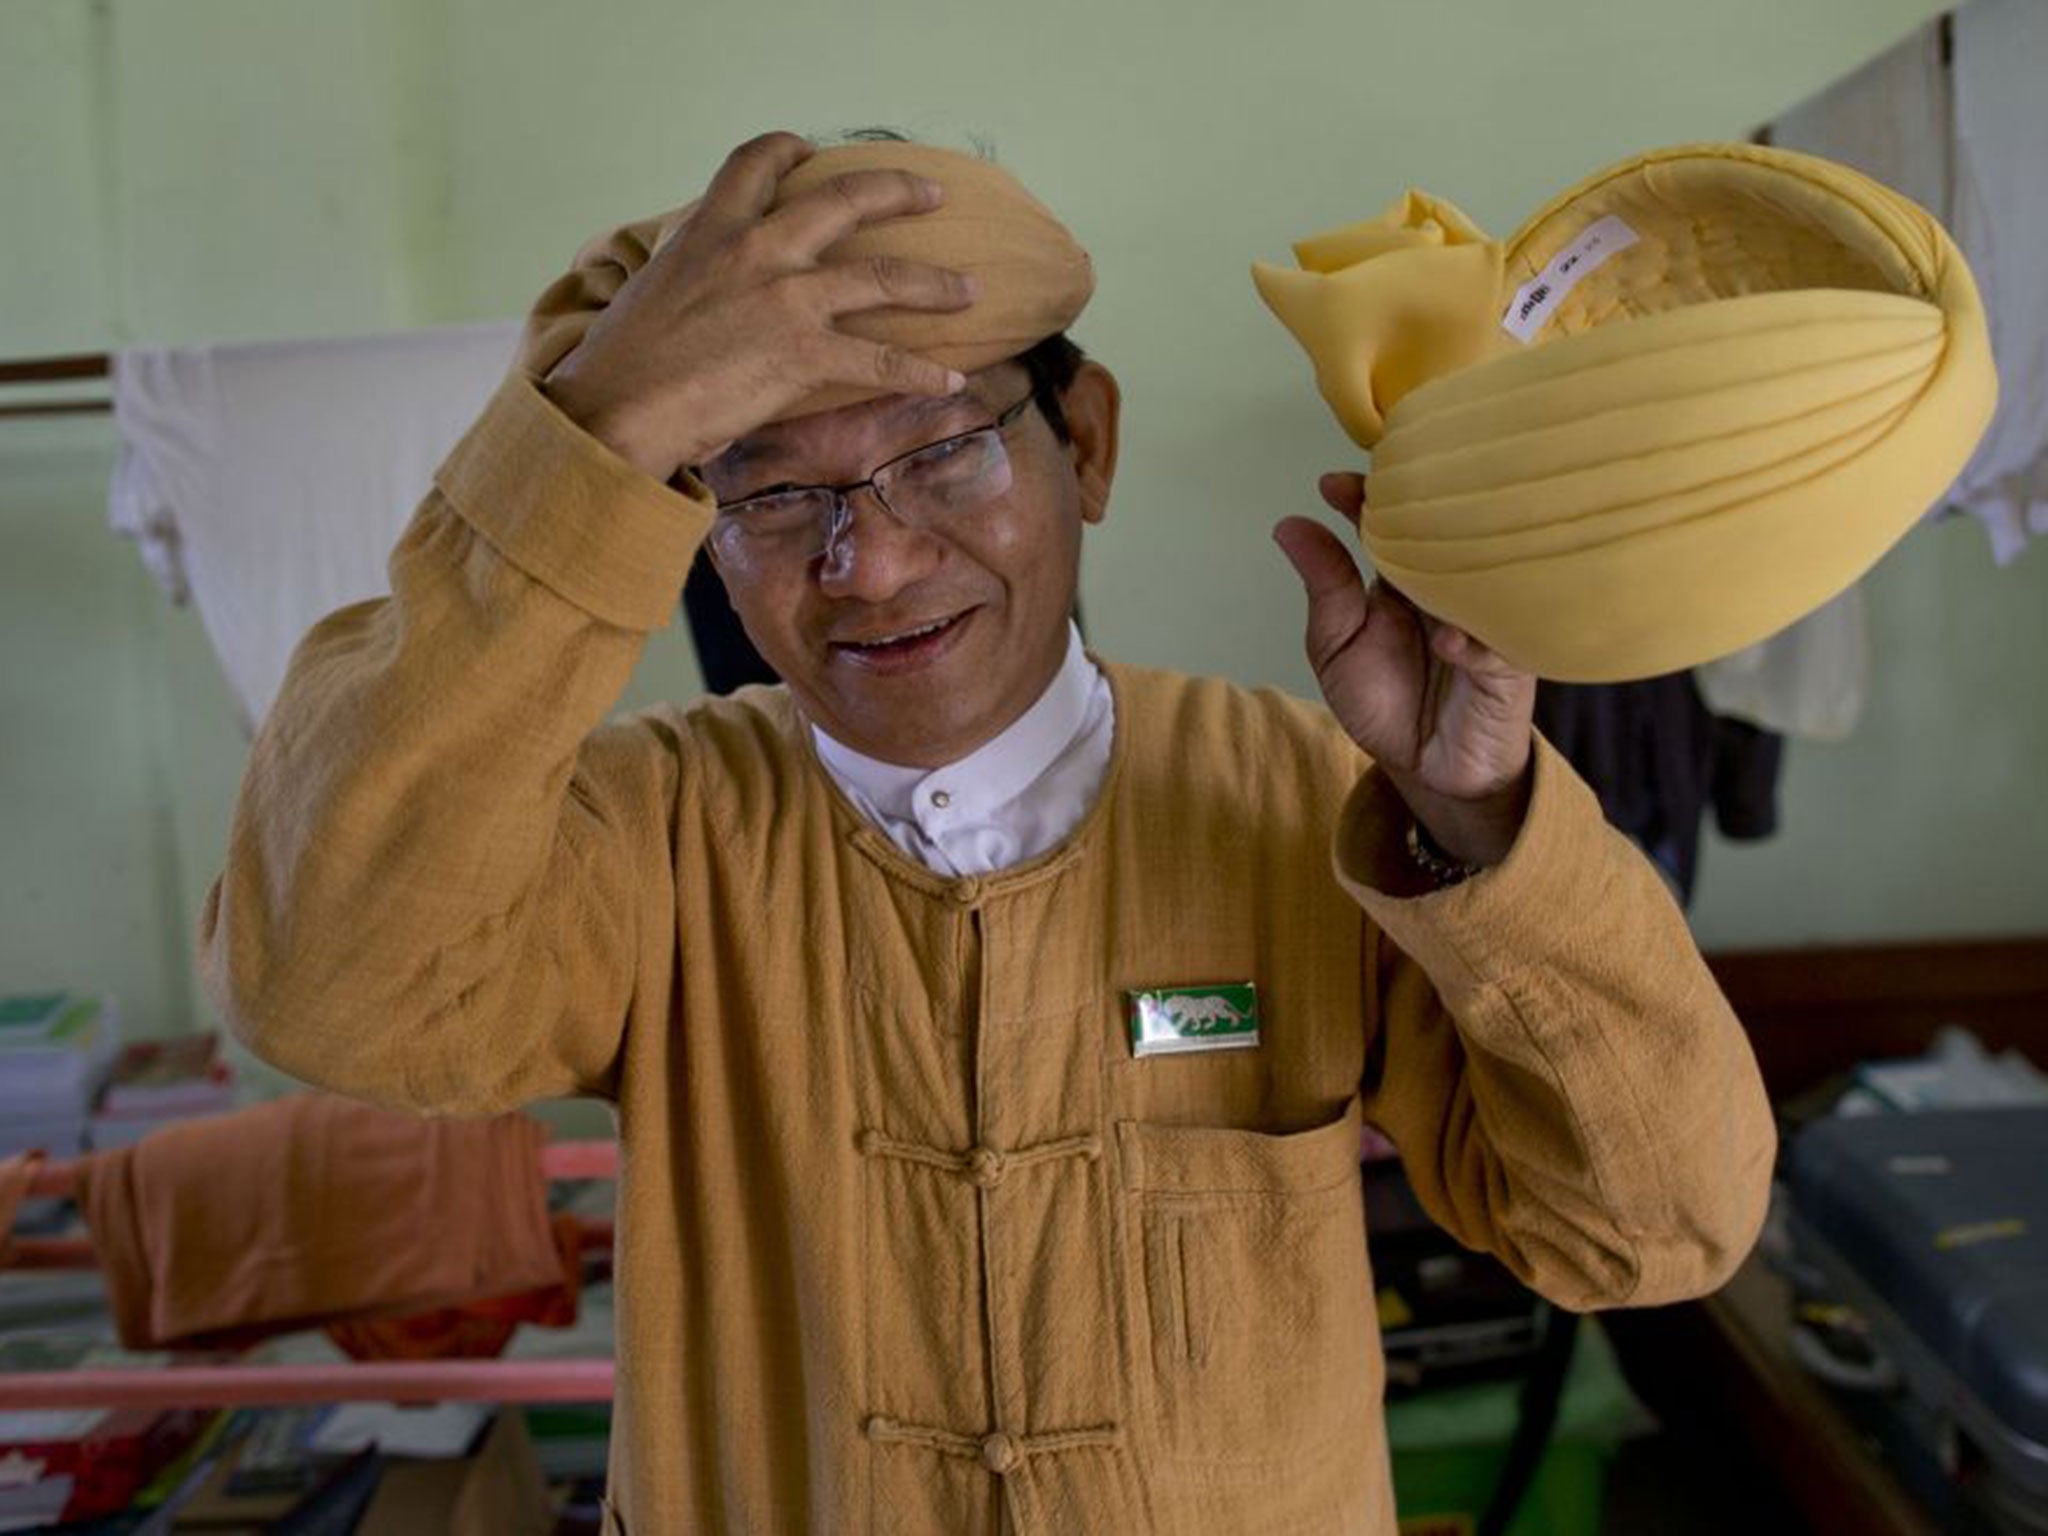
x=906, y=647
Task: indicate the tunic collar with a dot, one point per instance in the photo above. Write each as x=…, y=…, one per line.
x=986, y=784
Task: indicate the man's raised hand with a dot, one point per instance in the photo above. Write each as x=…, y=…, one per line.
x=1447, y=720
x=735, y=319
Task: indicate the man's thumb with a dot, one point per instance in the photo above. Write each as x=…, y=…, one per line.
x=1336, y=591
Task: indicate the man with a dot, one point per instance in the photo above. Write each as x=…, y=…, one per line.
x=989, y=1033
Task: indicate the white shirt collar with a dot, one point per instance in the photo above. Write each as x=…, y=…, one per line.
x=988, y=778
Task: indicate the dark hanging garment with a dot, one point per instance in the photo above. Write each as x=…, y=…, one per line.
x=1660, y=760
x=725, y=655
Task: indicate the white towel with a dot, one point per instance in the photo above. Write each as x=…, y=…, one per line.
x=1966, y=139
x=271, y=481
x=1808, y=681
x=1890, y=119
x=2000, y=218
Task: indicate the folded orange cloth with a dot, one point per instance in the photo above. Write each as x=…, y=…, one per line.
x=311, y=1210
x=479, y=1330
x=17, y=1175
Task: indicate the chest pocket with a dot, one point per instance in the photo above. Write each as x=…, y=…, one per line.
x=1257, y=1341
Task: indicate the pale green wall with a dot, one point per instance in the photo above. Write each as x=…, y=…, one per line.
x=236, y=169
x=1929, y=821
x=86, y=791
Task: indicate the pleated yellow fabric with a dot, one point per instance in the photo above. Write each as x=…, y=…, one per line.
x=1695, y=397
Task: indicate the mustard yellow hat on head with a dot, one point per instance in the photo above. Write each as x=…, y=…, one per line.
x=1692, y=399
x=1035, y=277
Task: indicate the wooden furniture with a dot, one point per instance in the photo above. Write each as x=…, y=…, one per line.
x=1812, y=1013
x=1721, y=1378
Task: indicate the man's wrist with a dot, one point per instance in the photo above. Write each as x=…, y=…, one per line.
x=1441, y=870
x=1478, y=832
x=606, y=426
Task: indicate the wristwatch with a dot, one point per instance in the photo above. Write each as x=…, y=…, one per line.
x=1442, y=869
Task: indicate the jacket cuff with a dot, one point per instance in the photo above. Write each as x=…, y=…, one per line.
x=572, y=514
x=1472, y=935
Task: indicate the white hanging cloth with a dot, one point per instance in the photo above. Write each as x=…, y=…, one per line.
x=1999, y=213
x=271, y=481
x=1966, y=138
x=1808, y=681
x=1890, y=119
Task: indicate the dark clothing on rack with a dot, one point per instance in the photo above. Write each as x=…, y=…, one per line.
x=725, y=655
x=1659, y=760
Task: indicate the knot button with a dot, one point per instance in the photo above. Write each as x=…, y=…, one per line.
x=999, y=1453
x=985, y=1167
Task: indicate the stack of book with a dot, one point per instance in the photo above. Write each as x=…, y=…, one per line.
x=156, y=1083
x=78, y=1464
x=56, y=1049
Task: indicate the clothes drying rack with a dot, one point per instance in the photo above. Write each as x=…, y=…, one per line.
x=86, y=371
x=239, y=1385
x=212, y=1385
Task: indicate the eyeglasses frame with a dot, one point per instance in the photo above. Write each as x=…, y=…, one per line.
x=842, y=513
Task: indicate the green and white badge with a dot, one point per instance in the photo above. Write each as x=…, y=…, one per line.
x=1167, y=1019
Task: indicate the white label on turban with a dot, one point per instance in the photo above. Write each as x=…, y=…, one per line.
x=1536, y=300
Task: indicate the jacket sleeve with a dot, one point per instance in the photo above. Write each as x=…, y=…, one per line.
x=1567, y=1086
x=445, y=883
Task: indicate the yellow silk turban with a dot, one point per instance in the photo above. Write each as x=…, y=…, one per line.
x=1692, y=399
x=1035, y=278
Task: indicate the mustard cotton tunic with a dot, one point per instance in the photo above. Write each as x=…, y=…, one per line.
x=909, y=1243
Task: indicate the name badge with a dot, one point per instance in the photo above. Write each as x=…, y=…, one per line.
x=1169, y=1019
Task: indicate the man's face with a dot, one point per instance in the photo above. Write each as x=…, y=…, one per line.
x=917, y=644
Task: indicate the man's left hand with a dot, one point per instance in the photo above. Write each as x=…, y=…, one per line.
x=1448, y=721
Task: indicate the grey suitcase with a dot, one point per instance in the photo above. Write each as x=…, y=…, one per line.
x=1934, y=1227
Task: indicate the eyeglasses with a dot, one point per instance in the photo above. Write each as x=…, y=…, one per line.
x=923, y=488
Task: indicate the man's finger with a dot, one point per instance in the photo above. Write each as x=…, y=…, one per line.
x=1336, y=591
x=1318, y=557
x=1344, y=492
x=875, y=365
x=827, y=213
x=890, y=282
x=743, y=188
